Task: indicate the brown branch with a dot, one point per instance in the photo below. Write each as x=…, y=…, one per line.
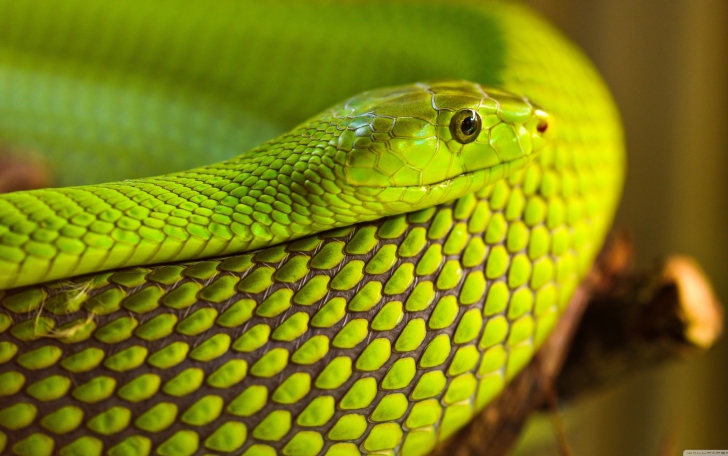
x=630, y=321
x=667, y=313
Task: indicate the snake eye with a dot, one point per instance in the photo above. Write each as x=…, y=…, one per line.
x=465, y=126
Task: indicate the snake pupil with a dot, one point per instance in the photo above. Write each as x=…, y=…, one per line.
x=468, y=126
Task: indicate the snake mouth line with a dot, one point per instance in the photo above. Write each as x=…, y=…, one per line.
x=490, y=174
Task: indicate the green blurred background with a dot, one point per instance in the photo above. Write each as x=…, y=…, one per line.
x=667, y=65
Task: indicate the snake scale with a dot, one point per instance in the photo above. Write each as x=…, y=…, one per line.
x=364, y=282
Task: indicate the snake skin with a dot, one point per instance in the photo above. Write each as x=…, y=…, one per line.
x=382, y=338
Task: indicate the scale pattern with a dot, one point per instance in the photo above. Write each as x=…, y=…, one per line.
x=382, y=338
x=385, y=336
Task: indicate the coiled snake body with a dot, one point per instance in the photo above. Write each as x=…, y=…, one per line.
x=363, y=283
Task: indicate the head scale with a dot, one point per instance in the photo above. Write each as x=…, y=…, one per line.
x=421, y=144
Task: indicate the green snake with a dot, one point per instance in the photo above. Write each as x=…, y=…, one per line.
x=366, y=281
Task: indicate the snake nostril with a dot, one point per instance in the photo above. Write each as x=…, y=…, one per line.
x=542, y=126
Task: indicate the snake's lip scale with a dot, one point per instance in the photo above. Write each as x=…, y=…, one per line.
x=459, y=185
x=473, y=175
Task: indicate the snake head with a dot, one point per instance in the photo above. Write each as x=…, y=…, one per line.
x=421, y=144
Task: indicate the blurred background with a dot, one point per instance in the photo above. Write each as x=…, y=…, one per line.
x=667, y=65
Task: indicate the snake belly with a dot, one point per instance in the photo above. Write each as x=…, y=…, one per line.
x=384, y=337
